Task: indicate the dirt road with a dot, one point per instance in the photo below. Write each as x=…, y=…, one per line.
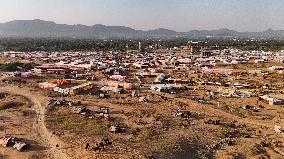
x=46, y=136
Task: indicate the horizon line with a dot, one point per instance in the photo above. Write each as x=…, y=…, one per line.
x=137, y=29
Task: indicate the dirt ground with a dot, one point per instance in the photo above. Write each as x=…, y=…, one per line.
x=28, y=123
x=18, y=119
x=154, y=131
x=217, y=129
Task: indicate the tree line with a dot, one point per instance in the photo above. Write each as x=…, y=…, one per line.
x=50, y=44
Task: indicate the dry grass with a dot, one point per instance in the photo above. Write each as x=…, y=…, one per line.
x=63, y=120
x=3, y=156
x=39, y=156
x=146, y=135
x=182, y=148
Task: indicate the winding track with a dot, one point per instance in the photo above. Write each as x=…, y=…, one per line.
x=45, y=135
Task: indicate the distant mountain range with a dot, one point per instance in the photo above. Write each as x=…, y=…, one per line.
x=39, y=28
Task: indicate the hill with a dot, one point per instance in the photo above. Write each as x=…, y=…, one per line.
x=40, y=28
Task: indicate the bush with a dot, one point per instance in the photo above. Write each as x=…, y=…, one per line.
x=17, y=66
x=3, y=95
x=11, y=104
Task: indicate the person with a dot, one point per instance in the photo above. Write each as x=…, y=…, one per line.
x=87, y=146
x=102, y=145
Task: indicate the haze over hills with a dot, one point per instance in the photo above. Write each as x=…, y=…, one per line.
x=39, y=28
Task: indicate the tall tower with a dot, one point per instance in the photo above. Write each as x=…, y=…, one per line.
x=139, y=46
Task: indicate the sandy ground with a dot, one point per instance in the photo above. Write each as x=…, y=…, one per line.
x=43, y=135
x=177, y=138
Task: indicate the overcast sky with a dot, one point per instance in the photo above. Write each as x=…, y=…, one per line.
x=180, y=15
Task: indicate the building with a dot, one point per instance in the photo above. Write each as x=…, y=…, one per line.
x=195, y=49
x=206, y=53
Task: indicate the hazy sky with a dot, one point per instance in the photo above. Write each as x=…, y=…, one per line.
x=180, y=15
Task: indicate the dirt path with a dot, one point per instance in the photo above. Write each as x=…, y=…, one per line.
x=46, y=136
